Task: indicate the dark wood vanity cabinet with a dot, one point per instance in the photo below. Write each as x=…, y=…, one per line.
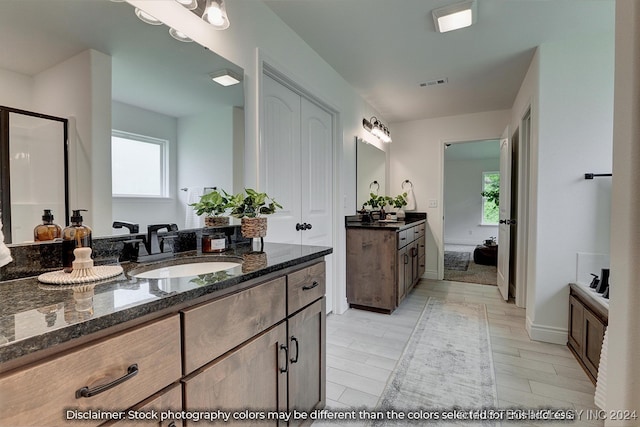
x=383, y=264
x=588, y=319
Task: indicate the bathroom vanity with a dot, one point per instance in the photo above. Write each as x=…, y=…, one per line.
x=588, y=320
x=243, y=341
x=384, y=261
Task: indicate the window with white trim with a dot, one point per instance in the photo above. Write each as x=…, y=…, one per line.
x=490, y=197
x=139, y=165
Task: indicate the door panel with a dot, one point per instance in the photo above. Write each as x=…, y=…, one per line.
x=280, y=150
x=504, y=229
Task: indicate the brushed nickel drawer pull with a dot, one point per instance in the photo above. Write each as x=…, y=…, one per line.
x=313, y=285
x=132, y=371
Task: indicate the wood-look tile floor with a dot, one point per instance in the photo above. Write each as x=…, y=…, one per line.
x=363, y=348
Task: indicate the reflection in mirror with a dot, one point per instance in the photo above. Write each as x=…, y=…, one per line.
x=96, y=62
x=34, y=150
x=370, y=168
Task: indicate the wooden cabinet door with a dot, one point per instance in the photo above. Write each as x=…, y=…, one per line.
x=593, y=335
x=307, y=358
x=253, y=378
x=401, y=261
x=576, y=324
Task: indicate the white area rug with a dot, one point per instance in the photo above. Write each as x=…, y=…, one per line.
x=446, y=367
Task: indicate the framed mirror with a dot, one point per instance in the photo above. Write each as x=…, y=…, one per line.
x=34, y=173
x=371, y=169
x=96, y=64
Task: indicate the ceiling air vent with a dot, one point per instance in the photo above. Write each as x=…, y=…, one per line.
x=435, y=82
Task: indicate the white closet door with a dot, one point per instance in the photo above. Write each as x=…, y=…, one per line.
x=297, y=170
x=316, y=164
x=280, y=159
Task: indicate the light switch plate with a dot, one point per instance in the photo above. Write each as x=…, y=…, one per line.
x=433, y=203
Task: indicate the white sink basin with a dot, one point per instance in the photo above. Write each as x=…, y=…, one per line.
x=186, y=270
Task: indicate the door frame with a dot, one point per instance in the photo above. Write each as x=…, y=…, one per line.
x=443, y=144
x=269, y=66
x=524, y=186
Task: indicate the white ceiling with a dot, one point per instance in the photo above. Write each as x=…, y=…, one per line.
x=386, y=48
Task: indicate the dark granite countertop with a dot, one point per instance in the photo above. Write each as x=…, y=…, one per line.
x=394, y=225
x=35, y=316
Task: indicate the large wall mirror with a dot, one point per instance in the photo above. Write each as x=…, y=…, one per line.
x=63, y=57
x=371, y=166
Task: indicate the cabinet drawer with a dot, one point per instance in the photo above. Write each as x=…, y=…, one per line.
x=404, y=237
x=305, y=286
x=42, y=394
x=418, y=231
x=213, y=328
x=168, y=400
x=421, y=247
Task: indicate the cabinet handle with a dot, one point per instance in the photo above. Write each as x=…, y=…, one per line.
x=299, y=227
x=132, y=371
x=308, y=287
x=286, y=358
x=172, y=424
x=406, y=259
x=295, y=340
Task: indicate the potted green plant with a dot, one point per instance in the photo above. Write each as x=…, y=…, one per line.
x=399, y=202
x=251, y=206
x=213, y=205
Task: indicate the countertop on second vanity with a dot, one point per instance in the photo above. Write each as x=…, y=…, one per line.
x=35, y=316
x=395, y=225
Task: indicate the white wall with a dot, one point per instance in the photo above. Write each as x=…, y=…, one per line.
x=78, y=88
x=463, y=202
x=417, y=154
x=205, y=155
x=575, y=125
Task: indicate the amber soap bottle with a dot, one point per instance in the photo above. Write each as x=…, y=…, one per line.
x=47, y=230
x=76, y=235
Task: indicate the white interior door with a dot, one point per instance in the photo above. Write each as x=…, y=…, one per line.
x=280, y=159
x=504, y=229
x=297, y=161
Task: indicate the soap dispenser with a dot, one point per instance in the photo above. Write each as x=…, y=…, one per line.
x=74, y=236
x=47, y=230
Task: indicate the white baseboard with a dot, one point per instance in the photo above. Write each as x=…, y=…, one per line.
x=548, y=334
x=430, y=274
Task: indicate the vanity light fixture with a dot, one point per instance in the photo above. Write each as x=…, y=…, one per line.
x=179, y=35
x=455, y=16
x=147, y=18
x=226, y=77
x=377, y=128
x=215, y=13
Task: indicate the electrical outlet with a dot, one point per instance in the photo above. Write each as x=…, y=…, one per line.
x=433, y=203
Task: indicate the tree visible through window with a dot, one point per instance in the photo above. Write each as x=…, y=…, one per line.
x=491, y=197
x=138, y=165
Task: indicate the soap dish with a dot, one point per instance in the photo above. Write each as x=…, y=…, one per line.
x=83, y=271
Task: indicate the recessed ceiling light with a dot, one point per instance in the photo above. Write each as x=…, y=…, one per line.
x=225, y=77
x=455, y=16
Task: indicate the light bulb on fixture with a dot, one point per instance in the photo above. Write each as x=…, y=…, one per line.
x=147, y=18
x=215, y=13
x=179, y=35
x=189, y=4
